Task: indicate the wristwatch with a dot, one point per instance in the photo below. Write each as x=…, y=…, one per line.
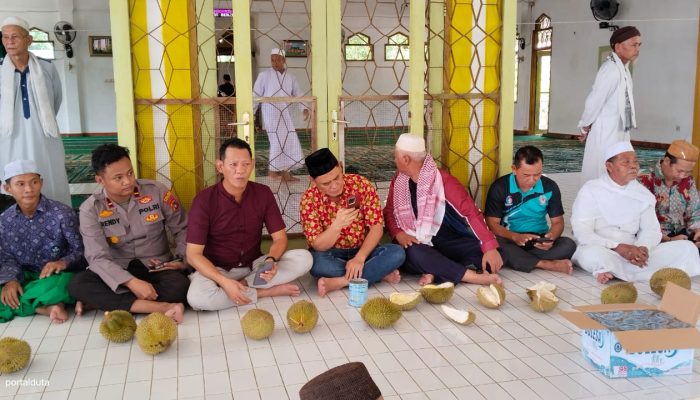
x=272, y=258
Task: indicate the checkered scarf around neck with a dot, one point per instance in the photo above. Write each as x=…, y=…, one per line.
x=430, y=198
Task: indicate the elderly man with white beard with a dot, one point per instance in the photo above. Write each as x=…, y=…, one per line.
x=614, y=222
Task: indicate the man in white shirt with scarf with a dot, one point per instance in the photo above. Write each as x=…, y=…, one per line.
x=614, y=222
x=608, y=115
x=30, y=95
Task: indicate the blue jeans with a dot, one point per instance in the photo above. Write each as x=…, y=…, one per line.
x=381, y=261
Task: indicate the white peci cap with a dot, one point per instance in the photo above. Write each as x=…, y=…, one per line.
x=20, y=167
x=277, y=51
x=15, y=21
x=617, y=148
x=411, y=143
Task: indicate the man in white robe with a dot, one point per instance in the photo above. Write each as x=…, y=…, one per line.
x=285, y=149
x=30, y=95
x=608, y=115
x=614, y=222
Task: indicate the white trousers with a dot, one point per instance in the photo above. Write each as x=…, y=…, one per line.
x=205, y=294
x=681, y=254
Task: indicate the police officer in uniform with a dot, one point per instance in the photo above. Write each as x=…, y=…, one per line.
x=123, y=226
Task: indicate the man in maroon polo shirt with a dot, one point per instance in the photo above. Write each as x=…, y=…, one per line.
x=224, y=236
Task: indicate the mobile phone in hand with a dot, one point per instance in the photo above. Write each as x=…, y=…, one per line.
x=352, y=202
x=161, y=264
x=258, y=278
x=543, y=240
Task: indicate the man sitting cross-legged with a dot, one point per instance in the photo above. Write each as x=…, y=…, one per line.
x=517, y=207
x=39, y=242
x=123, y=226
x=615, y=224
x=342, y=220
x=225, y=234
x=429, y=213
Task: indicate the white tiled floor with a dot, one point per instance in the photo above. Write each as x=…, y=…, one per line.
x=512, y=352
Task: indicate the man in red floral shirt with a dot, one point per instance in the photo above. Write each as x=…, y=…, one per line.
x=677, y=200
x=342, y=220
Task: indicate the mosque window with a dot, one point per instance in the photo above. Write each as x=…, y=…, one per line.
x=358, y=48
x=397, y=49
x=41, y=45
x=543, y=33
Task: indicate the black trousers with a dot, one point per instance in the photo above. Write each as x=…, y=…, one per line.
x=524, y=260
x=89, y=288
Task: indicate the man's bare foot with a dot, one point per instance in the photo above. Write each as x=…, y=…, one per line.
x=327, y=285
x=604, y=277
x=57, y=313
x=176, y=312
x=482, y=279
x=393, y=277
x=426, y=279
x=285, y=289
x=565, y=266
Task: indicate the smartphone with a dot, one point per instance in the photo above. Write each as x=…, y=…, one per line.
x=543, y=240
x=159, y=265
x=352, y=202
x=259, y=281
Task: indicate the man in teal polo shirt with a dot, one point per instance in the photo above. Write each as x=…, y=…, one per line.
x=516, y=211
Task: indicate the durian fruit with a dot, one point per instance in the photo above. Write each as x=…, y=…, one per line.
x=406, y=301
x=458, y=316
x=543, y=300
x=118, y=326
x=380, y=313
x=659, y=278
x=438, y=294
x=541, y=285
x=302, y=316
x=257, y=324
x=156, y=333
x=14, y=354
x=492, y=296
x=623, y=292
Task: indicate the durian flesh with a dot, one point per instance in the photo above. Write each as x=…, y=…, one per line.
x=492, y=296
x=438, y=294
x=541, y=285
x=406, y=301
x=459, y=316
x=543, y=300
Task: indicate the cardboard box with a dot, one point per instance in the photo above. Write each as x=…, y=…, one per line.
x=630, y=340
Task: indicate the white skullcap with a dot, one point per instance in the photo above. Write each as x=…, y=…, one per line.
x=277, y=51
x=617, y=148
x=15, y=21
x=411, y=143
x=20, y=167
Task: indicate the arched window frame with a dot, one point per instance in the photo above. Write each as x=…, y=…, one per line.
x=543, y=33
x=398, y=45
x=354, y=44
x=41, y=45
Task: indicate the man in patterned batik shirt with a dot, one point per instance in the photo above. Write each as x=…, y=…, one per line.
x=677, y=200
x=342, y=221
x=39, y=242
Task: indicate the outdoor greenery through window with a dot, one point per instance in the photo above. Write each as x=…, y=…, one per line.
x=41, y=45
x=358, y=48
x=397, y=49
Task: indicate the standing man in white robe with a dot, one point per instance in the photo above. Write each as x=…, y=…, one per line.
x=614, y=222
x=30, y=95
x=608, y=115
x=285, y=149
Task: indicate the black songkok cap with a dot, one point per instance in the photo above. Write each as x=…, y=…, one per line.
x=320, y=162
x=622, y=34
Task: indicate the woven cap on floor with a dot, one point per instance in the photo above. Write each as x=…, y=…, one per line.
x=349, y=381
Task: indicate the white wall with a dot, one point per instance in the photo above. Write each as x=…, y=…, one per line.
x=664, y=74
x=88, y=101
